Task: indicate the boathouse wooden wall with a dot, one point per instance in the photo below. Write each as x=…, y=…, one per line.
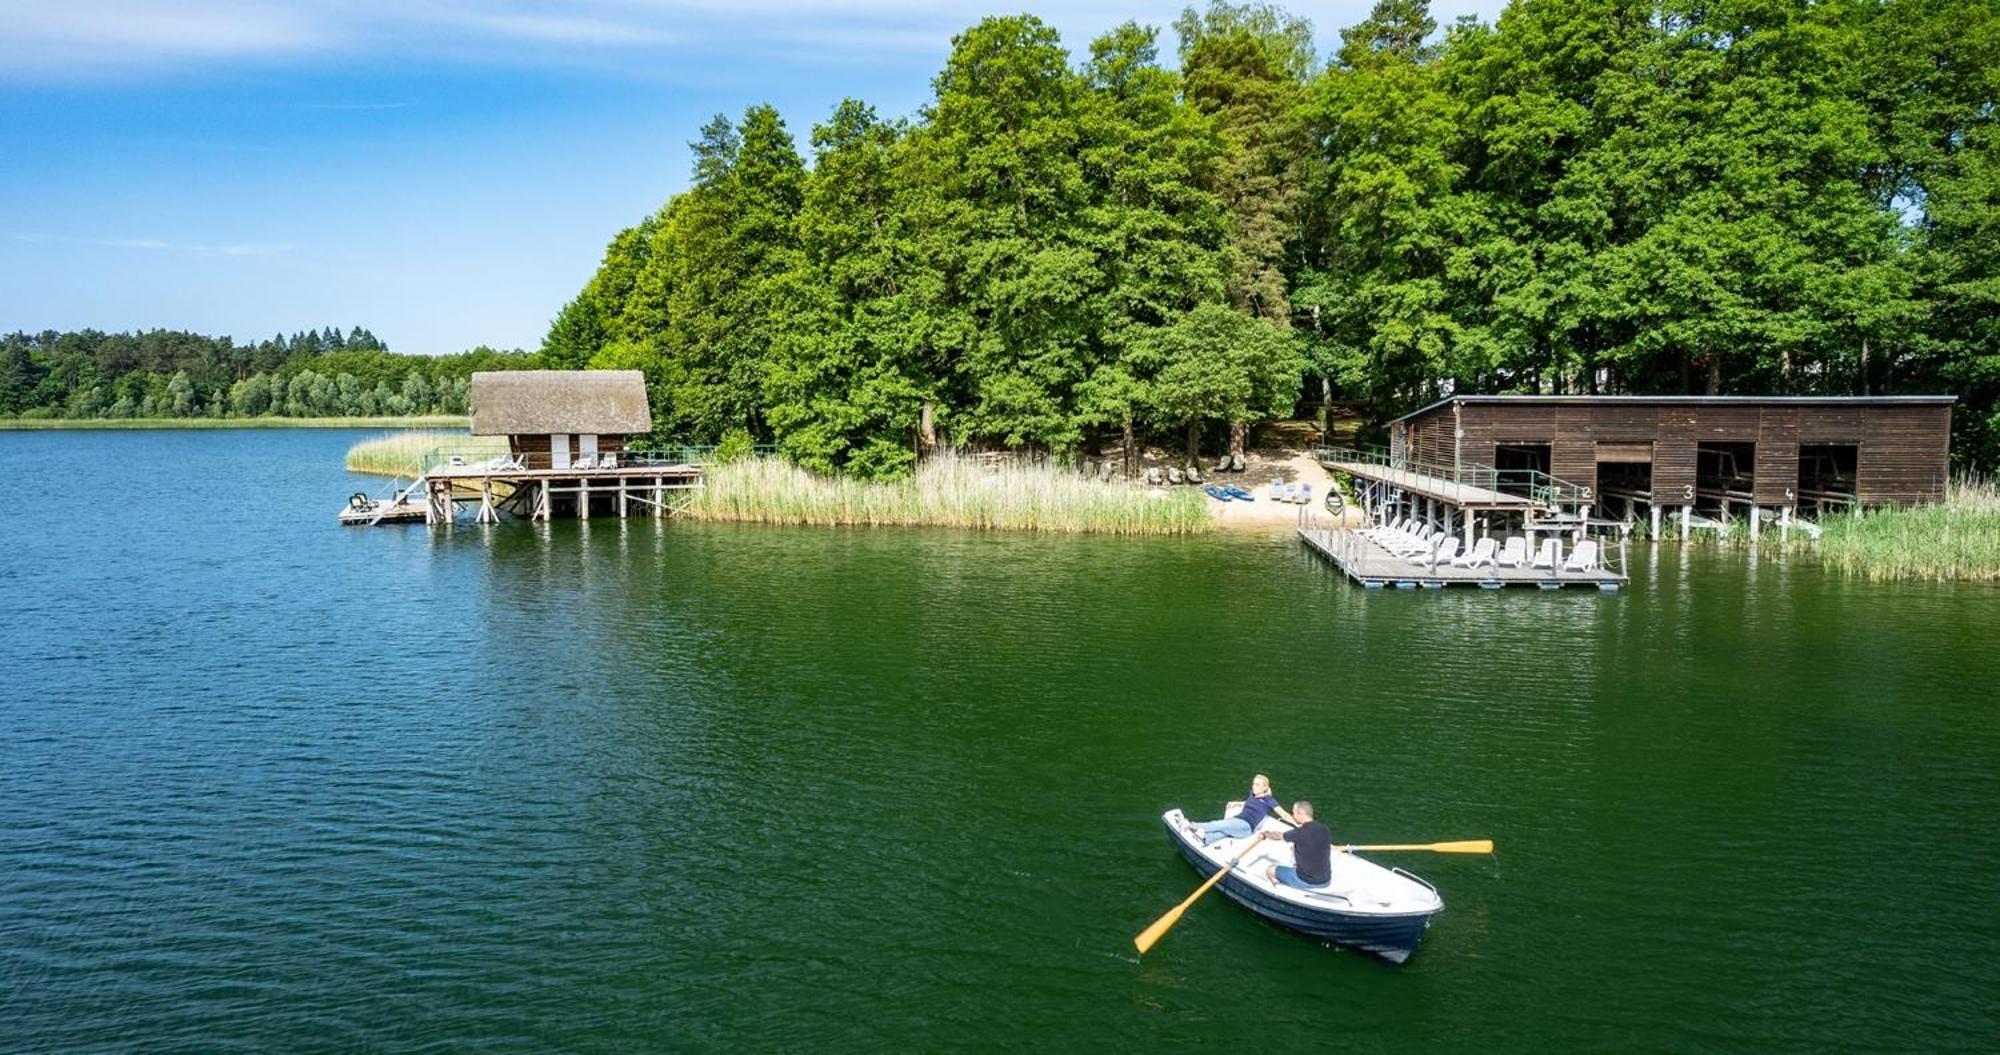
x=1902, y=448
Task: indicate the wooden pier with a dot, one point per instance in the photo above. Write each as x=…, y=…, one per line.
x=1371, y=566
x=445, y=493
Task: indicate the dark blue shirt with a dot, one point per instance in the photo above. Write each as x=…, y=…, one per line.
x=1255, y=808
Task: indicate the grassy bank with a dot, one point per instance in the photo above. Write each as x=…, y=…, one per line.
x=424, y=422
x=1956, y=539
x=400, y=453
x=947, y=493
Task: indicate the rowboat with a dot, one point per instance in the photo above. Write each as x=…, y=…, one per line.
x=1378, y=910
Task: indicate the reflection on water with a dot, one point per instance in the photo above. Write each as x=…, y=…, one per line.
x=266, y=783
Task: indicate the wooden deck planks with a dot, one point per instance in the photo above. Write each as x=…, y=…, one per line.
x=1371, y=565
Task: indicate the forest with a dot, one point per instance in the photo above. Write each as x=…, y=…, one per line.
x=1072, y=252
x=87, y=374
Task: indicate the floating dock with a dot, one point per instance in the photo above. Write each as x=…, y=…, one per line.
x=1374, y=567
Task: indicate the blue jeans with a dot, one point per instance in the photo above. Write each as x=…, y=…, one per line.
x=1227, y=828
x=1289, y=876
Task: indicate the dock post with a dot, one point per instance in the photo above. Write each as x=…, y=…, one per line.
x=659, y=499
x=582, y=498
x=1756, y=518
x=1468, y=529
x=622, y=512
x=1687, y=514
x=1654, y=507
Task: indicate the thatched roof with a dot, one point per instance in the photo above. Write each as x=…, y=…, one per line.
x=525, y=402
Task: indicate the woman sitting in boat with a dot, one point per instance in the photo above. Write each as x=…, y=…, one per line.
x=1259, y=803
x=1312, y=852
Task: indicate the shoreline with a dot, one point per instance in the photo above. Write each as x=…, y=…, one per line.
x=447, y=421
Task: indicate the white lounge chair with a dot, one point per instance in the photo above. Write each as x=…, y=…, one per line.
x=1305, y=494
x=584, y=461
x=1447, y=550
x=607, y=461
x=1545, y=557
x=1412, y=549
x=1583, y=558
x=1482, y=553
x=1513, y=554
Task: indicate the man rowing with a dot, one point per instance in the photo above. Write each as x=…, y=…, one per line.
x=1312, y=852
x=1259, y=804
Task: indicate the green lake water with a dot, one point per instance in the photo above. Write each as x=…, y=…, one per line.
x=268, y=784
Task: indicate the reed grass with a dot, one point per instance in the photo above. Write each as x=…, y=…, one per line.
x=402, y=453
x=947, y=492
x=1957, y=539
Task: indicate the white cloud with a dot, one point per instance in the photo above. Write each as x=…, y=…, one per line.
x=68, y=38
x=155, y=245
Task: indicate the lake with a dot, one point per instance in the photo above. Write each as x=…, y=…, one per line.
x=270, y=784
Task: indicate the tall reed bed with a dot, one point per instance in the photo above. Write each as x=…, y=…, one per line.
x=402, y=453
x=1958, y=538
x=947, y=492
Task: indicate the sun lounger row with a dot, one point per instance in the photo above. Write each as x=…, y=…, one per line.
x=1415, y=542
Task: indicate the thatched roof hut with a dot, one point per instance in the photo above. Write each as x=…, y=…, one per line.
x=544, y=402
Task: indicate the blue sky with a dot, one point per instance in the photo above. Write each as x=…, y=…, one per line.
x=446, y=174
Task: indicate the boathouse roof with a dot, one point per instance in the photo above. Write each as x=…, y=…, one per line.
x=1532, y=399
x=527, y=402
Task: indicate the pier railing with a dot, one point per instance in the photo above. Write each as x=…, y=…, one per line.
x=1533, y=484
x=474, y=459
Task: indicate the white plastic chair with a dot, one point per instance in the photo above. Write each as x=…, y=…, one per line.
x=1545, y=557
x=1447, y=549
x=1482, y=553
x=1584, y=558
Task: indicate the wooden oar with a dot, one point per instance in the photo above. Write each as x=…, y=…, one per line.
x=1161, y=926
x=1468, y=846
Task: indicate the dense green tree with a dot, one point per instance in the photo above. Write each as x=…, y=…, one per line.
x=1597, y=195
x=1220, y=363
x=1245, y=68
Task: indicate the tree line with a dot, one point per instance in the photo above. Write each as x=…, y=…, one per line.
x=88, y=374
x=1061, y=252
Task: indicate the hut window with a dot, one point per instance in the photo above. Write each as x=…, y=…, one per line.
x=559, y=450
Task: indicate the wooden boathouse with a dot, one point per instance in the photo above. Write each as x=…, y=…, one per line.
x=1721, y=457
x=1544, y=474
x=570, y=453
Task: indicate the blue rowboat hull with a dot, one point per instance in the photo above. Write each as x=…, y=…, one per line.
x=1393, y=937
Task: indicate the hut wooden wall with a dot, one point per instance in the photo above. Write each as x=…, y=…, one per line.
x=1902, y=446
x=535, y=446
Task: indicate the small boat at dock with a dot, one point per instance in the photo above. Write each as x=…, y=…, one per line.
x=1383, y=911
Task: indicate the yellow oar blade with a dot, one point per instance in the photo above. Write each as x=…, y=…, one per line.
x=1464, y=846
x=1151, y=935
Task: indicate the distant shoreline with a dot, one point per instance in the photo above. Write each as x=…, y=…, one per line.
x=439, y=421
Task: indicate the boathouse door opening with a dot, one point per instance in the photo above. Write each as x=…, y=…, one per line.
x=1624, y=479
x=558, y=450
x=1828, y=476
x=1725, y=476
